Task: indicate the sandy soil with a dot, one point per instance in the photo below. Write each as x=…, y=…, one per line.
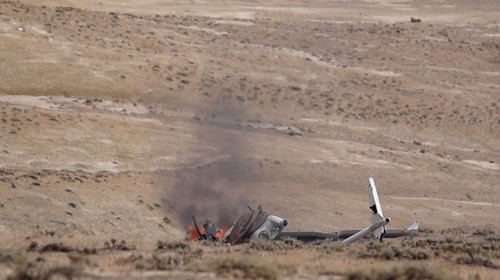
x=120, y=121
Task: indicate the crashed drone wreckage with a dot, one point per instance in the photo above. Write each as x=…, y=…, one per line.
x=259, y=224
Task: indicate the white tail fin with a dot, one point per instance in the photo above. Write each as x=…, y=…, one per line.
x=377, y=214
x=377, y=228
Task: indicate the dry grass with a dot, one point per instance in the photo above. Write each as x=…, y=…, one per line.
x=239, y=267
x=393, y=251
x=120, y=245
x=29, y=273
x=273, y=246
x=469, y=249
x=404, y=272
x=160, y=261
x=264, y=259
x=29, y=267
x=168, y=256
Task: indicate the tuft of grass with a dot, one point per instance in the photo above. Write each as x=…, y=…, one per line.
x=476, y=248
x=32, y=272
x=163, y=259
x=405, y=272
x=239, y=267
x=473, y=259
x=293, y=243
x=121, y=245
x=330, y=247
x=389, y=251
x=56, y=247
x=12, y=256
x=171, y=246
x=266, y=245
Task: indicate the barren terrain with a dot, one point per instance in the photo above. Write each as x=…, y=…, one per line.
x=121, y=119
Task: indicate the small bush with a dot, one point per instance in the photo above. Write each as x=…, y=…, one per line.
x=407, y=272
x=330, y=247
x=163, y=261
x=56, y=247
x=262, y=244
x=121, y=245
x=388, y=251
x=171, y=246
x=291, y=242
x=33, y=271
x=12, y=256
x=473, y=259
x=241, y=267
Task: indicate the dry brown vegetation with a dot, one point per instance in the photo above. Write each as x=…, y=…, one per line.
x=119, y=121
x=424, y=257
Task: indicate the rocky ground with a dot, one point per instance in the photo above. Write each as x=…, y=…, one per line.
x=119, y=121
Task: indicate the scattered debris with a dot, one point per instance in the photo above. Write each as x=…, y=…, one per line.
x=259, y=224
x=249, y=226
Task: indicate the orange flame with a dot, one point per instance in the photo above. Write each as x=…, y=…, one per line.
x=193, y=233
x=221, y=232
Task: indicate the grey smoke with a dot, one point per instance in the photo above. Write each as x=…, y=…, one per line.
x=213, y=186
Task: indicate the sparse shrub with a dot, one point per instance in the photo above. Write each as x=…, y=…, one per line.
x=406, y=272
x=56, y=247
x=169, y=256
x=262, y=244
x=80, y=260
x=483, y=232
x=476, y=247
x=425, y=230
x=121, y=245
x=473, y=259
x=477, y=260
x=166, y=262
x=30, y=270
x=330, y=247
x=293, y=243
x=493, y=237
x=240, y=267
x=181, y=253
x=87, y=251
x=12, y=256
x=161, y=261
x=67, y=272
x=389, y=251
x=23, y=272
x=171, y=246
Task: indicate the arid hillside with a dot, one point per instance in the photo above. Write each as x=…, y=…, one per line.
x=120, y=120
